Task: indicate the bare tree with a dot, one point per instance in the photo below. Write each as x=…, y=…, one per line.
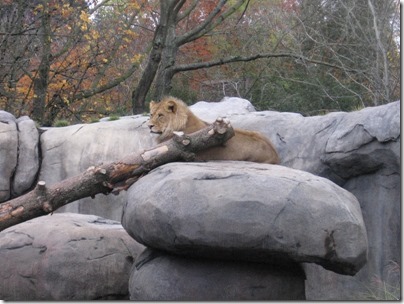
x=358, y=36
x=17, y=39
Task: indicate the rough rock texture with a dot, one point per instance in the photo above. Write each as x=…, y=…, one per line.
x=247, y=211
x=71, y=150
x=8, y=153
x=19, y=160
x=28, y=156
x=66, y=257
x=158, y=276
x=359, y=151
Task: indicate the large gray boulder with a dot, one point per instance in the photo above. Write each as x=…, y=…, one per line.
x=66, y=257
x=19, y=155
x=8, y=153
x=157, y=276
x=360, y=151
x=247, y=211
x=28, y=156
x=69, y=151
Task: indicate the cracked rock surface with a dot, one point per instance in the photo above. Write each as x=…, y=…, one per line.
x=66, y=257
x=247, y=211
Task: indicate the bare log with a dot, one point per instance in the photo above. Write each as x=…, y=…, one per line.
x=111, y=177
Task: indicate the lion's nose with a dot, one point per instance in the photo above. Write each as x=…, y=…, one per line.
x=150, y=126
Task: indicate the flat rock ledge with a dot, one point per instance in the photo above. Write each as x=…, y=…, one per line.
x=249, y=212
x=66, y=257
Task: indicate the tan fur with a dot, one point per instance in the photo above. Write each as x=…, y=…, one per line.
x=172, y=114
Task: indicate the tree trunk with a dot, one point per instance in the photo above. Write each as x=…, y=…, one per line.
x=166, y=25
x=40, y=83
x=139, y=94
x=165, y=72
x=112, y=177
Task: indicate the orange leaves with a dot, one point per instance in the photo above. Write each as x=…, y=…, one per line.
x=88, y=50
x=24, y=88
x=200, y=48
x=132, y=5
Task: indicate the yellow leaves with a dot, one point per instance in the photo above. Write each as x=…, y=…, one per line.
x=95, y=35
x=133, y=5
x=85, y=18
x=66, y=11
x=66, y=100
x=137, y=58
x=39, y=7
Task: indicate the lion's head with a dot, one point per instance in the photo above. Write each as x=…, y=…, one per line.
x=167, y=116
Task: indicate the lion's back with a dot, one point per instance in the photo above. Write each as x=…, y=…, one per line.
x=245, y=146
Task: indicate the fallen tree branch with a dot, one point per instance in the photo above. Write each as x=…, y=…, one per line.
x=111, y=177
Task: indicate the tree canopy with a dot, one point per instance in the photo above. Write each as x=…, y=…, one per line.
x=83, y=60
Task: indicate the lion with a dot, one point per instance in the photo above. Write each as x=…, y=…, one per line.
x=172, y=114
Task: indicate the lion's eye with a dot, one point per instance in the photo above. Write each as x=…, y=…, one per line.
x=160, y=115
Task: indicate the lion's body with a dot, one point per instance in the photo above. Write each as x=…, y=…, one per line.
x=172, y=114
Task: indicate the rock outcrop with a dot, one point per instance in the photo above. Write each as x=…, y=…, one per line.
x=8, y=153
x=28, y=156
x=19, y=160
x=240, y=211
x=66, y=257
x=359, y=151
x=247, y=211
x=69, y=151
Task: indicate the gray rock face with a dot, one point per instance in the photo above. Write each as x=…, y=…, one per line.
x=19, y=161
x=157, y=276
x=364, y=142
x=360, y=151
x=28, y=155
x=69, y=151
x=337, y=146
x=8, y=153
x=247, y=211
x=228, y=106
x=66, y=257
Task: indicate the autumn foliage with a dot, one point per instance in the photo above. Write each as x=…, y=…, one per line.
x=83, y=60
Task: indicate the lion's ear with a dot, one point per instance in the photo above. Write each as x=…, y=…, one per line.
x=171, y=106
